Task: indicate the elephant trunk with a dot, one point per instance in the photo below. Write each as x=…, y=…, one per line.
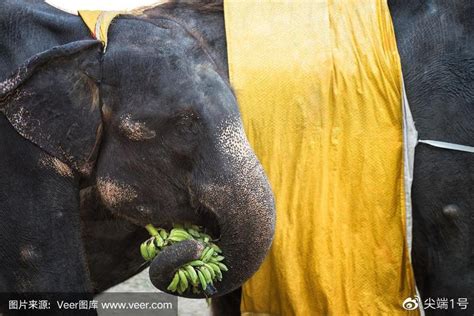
x=242, y=204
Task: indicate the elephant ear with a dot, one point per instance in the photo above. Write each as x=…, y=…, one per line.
x=53, y=101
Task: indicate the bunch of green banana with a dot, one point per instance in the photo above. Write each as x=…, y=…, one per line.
x=150, y=248
x=196, y=275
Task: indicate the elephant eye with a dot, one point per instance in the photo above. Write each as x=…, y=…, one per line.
x=184, y=135
x=187, y=122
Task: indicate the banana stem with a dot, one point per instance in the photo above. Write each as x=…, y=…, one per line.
x=151, y=230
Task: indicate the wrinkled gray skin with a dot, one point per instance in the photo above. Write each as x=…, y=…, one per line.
x=148, y=132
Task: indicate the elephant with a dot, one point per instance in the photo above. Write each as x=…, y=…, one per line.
x=98, y=143
x=435, y=42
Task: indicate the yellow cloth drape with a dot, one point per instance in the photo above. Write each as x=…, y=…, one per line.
x=319, y=87
x=98, y=22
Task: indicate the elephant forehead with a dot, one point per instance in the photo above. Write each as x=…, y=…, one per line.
x=114, y=192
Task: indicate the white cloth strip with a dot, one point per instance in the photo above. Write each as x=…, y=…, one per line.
x=410, y=139
x=445, y=145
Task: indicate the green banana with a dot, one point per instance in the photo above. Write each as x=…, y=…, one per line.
x=144, y=251
x=202, y=279
x=207, y=255
x=219, y=276
x=174, y=283
x=159, y=241
x=191, y=282
x=207, y=274
x=216, y=269
x=151, y=249
x=179, y=229
x=204, y=253
x=163, y=233
x=185, y=273
x=194, y=233
x=183, y=281
x=179, y=235
x=174, y=231
x=218, y=258
x=211, y=271
x=192, y=274
x=196, y=263
x=222, y=266
x=216, y=248
x=176, y=238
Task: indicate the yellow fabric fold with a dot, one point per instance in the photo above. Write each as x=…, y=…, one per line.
x=98, y=23
x=319, y=88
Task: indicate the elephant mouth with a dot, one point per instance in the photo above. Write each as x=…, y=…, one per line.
x=207, y=219
x=201, y=216
x=177, y=255
x=244, y=240
x=239, y=220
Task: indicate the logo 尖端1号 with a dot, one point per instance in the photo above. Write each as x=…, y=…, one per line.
x=411, y=303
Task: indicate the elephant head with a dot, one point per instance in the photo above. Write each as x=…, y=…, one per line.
x=154, y=124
